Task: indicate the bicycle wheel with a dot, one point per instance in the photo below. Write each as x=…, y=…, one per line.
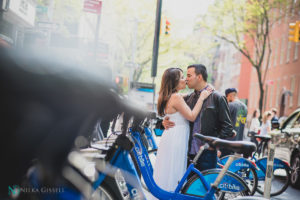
x=108, y=190
x=249, y=175
x=103, y=193
x=250, y=198
x=195, y=187
x=231, y=195
x=295, y=171
x=279, y=184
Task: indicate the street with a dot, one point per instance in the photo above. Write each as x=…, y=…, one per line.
x=290, y=193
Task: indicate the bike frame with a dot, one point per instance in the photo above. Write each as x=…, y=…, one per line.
x=145, y=168
x=150, y=138
x=260, y=165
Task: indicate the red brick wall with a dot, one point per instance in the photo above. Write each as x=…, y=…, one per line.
x=284, y=71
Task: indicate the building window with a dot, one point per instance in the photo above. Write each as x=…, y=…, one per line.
x=293, y=7
x=288, y=52
x=279, y=20
x=271, y=96
x=286, y=14
x=277, y=98
x=276, y=52
x=251, y=97
x=282, y=49
x=254, y=54
x=292, y=90
x=256, y=95
x=264, y=63
x=272, y=55
x=296, y=51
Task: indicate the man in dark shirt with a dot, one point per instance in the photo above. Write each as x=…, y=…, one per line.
x=213, y=119
x=238, y=112
x=275, y=121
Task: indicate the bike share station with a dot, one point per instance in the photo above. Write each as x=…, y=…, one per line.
x=115, y=167
x=127, y=162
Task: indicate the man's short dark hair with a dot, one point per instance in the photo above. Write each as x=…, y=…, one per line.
x=230, y=90
x=200, y=69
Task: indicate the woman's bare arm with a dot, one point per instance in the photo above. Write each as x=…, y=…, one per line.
x=180, y=105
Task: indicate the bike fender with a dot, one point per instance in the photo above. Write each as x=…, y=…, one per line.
x=223, y=160
x=278, y=164
x=230, y=182
x=241, y=163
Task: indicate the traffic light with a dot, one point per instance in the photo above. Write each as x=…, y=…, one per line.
x=167, y=30
x=294, y=31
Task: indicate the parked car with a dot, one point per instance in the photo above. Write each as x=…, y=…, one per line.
x=289, y=138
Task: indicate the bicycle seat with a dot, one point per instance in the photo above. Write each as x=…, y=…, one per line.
x=263, y=137
x=240, y=147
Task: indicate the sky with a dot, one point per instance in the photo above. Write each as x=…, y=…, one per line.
x=186, y=8
x=181, y=14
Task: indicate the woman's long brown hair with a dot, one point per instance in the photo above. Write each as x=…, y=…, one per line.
x=168, y=86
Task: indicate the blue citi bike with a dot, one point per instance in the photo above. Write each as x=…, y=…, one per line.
x=115, y=175
x=208, y=184
x=253, y=171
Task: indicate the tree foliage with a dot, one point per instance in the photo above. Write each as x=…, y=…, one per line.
x=132, y=22
x=247, y=24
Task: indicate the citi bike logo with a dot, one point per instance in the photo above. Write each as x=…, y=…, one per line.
x=278, y=165
x=138, y=150
x=139, y=155
x=229, y=186
x=13, y=190
x=239, y=164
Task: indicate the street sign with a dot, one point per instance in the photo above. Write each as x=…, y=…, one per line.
x=139, y=85
x=41, y=9
x=129, y=64
x=47, y=26
x=92, y=6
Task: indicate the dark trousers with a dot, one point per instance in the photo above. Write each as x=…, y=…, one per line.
x=252, y=138
x=208, y=160
x=225, y=152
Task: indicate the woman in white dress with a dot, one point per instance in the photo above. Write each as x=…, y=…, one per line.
x=171, y=159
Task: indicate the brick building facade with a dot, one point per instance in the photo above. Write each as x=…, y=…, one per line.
x=282, y=86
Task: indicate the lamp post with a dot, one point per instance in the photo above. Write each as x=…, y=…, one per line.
x=156, y=46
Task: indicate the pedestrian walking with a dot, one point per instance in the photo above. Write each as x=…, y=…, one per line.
x=266, y=123
x=254, y=126
x=238, y=112
x=238, y=115
x=274, y=120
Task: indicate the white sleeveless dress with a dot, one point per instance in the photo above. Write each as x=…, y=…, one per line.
x=171, y=159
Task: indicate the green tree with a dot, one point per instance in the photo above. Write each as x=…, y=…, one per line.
x=131, y=25
x=241, y=22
